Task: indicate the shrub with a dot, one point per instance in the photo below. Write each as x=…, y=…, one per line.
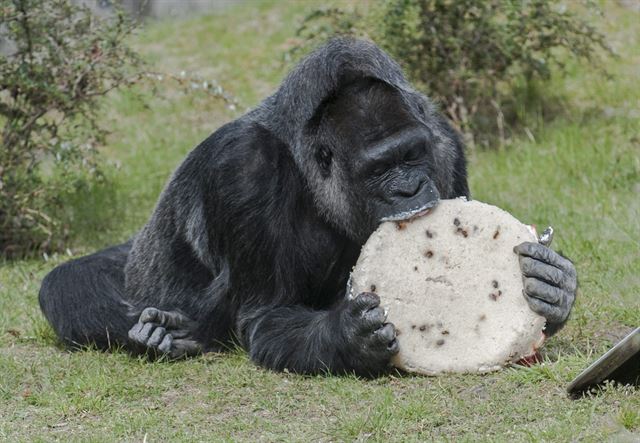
x=469, y=55
x=58, y=60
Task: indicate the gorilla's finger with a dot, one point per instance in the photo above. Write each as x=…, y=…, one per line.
x=168, y=319
x=534, y=268
x=553, y=313
x=373, y=319
x=544, y=254
x=386, y=333
x=165, y=345
x=157, y=337
x=135, y=330
x=543, y=291
x=150, y=315
x=570, y=299
x=185, y=348
x=141, y=333
x=180, y=333
x=147, y=329
x=394, y=347
x=363, y=302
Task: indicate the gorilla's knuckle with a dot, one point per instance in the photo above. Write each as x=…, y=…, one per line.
x=556, y=295
x=166, y=344
x=156, y=337
x=530, y=285
x=536, y=305
x=386, y=333
x=375, y=315
x=565, y=282
x=555, y=276
x=559, y=315
x=368, y=299
x=530, y=267
x=134, y=331
x=148, y=314
x=149, y=311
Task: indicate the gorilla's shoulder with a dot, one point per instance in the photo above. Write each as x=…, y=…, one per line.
x=244, y=144
x=233, y=162
x=237, y=167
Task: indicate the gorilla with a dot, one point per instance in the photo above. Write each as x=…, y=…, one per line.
x=254, y=236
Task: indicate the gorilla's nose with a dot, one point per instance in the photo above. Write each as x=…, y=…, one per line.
x=410, y=189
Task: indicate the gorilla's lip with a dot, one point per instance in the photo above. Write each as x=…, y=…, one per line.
x=427, y=190
x=412, y=213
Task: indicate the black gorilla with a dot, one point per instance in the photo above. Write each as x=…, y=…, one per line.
x=256, y=232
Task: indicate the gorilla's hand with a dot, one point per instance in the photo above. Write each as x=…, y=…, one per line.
x=550, y=283
x=165, y=333
x=371, y=341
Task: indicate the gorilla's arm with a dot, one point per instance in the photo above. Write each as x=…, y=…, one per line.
x=352, y=337
x=550, y=283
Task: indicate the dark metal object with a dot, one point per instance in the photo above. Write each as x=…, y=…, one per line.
x=621, y=363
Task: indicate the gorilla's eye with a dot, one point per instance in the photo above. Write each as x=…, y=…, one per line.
x=413, y=154
x=323, y=157
x=379, y=170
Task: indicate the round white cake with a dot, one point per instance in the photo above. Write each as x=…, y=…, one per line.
x=452, y=286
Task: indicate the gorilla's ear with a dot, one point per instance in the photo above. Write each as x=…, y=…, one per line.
x=324, y=157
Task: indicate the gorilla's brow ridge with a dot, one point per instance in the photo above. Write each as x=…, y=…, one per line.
x=381, y=146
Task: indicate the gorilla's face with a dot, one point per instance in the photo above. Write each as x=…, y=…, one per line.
x=379, y=152
x=395, y=173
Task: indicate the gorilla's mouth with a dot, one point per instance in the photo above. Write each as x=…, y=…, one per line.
x=429, y=193
x=412, y=213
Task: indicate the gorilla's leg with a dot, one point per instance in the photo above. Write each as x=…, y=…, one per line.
x=84, y=299
x=167, y=333
x=353, y=337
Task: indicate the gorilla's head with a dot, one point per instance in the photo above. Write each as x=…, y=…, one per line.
x=369, y=145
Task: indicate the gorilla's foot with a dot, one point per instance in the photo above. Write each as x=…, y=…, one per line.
x=372, y=340
x=165, y=333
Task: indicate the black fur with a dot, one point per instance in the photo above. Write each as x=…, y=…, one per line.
x=256, y=232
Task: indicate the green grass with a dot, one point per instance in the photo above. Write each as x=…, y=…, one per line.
x=581, y=174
